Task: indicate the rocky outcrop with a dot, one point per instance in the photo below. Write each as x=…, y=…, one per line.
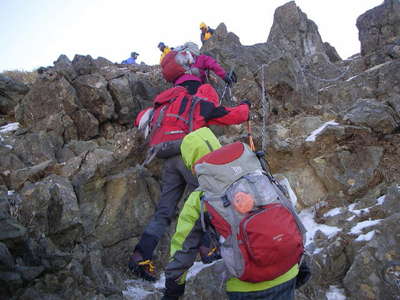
x=11, y=92
x=74, y=198
x=379, y=29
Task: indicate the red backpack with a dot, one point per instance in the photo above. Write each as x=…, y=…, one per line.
x=261, y=236
x=173, y=115
x=177, y=63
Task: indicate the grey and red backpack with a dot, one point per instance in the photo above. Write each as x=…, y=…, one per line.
x=260, y=235
x=179, y=62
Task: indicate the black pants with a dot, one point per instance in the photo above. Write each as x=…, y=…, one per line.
x=175, y=177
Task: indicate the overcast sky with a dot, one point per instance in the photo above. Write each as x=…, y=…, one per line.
x=35, y=32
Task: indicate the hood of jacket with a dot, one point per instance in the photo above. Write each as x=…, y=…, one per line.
x=197, y=144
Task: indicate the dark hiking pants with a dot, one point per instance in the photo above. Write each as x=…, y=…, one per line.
x=175, y=177
x=284, y=291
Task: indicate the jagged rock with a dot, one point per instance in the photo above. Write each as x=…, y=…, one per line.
x=84, y=65
x=110, y=204
x=86, y=124
x=332, y=53
x=11, y=92
x=6, y=259
x=20, y=176
x=394, y=102
x=51, y=207
x=379, y=26
x=365, y=85
x=35, y=148
x=75, y=148
x=374, y=271
x=83, y=221
x=12, y=231
x=29, y=273
x=379, y=117
x=49, y=106
x=64, y=66
x=94, y=96
x=293, y=31
x=201, y=287
x=9, y=161
x=349, y=172
x=124, y=101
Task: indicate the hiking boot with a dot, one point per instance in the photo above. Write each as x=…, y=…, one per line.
x=208, y=255
x=143, y=268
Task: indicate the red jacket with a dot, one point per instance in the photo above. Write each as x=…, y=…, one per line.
x=203, y=63
x=206, y=111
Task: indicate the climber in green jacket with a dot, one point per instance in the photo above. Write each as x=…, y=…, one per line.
x=189, y=232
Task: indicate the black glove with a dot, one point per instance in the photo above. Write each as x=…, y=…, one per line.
x=246, y=101
x=304, y=274
x=173, y=290
x=230, y=78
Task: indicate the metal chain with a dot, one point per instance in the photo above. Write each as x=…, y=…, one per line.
x=264, y=111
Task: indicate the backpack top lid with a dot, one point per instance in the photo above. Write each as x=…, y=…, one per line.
x=189, y=46
x=217, y=170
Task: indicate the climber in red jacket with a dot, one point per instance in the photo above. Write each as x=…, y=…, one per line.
x=175, y=113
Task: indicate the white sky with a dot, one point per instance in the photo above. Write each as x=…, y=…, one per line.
x=35, y=32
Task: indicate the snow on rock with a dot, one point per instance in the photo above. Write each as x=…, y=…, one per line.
x=365, y=237
x=333, y=212
x=360, y=226
x=9, y=127
x=135, y=293
x=316, y=132
x=307, y=217
x=6, y=129
x=140, y=289
x=380, y=200
x=335, y=293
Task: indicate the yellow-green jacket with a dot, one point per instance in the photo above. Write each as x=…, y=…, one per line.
x=189, y=230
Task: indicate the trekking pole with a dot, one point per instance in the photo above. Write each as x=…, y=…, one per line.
x=223, y=93
x=229, y=89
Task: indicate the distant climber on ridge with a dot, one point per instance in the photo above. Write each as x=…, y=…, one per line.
x=131, y=60
x=164, y=50
x=206, y=32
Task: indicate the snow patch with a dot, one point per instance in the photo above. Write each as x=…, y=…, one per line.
x=380, y=200
x=197, y=267
x=351, y=218
x=352, y=77
x=333, y=212
x=335, y=293
x=160, y=283
x=137, y=288
x=135, y=293
x=316, y=132
x=365, y=237
x=307, y=217
x=9, y=127
x=360, y=226
x=358, y=212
